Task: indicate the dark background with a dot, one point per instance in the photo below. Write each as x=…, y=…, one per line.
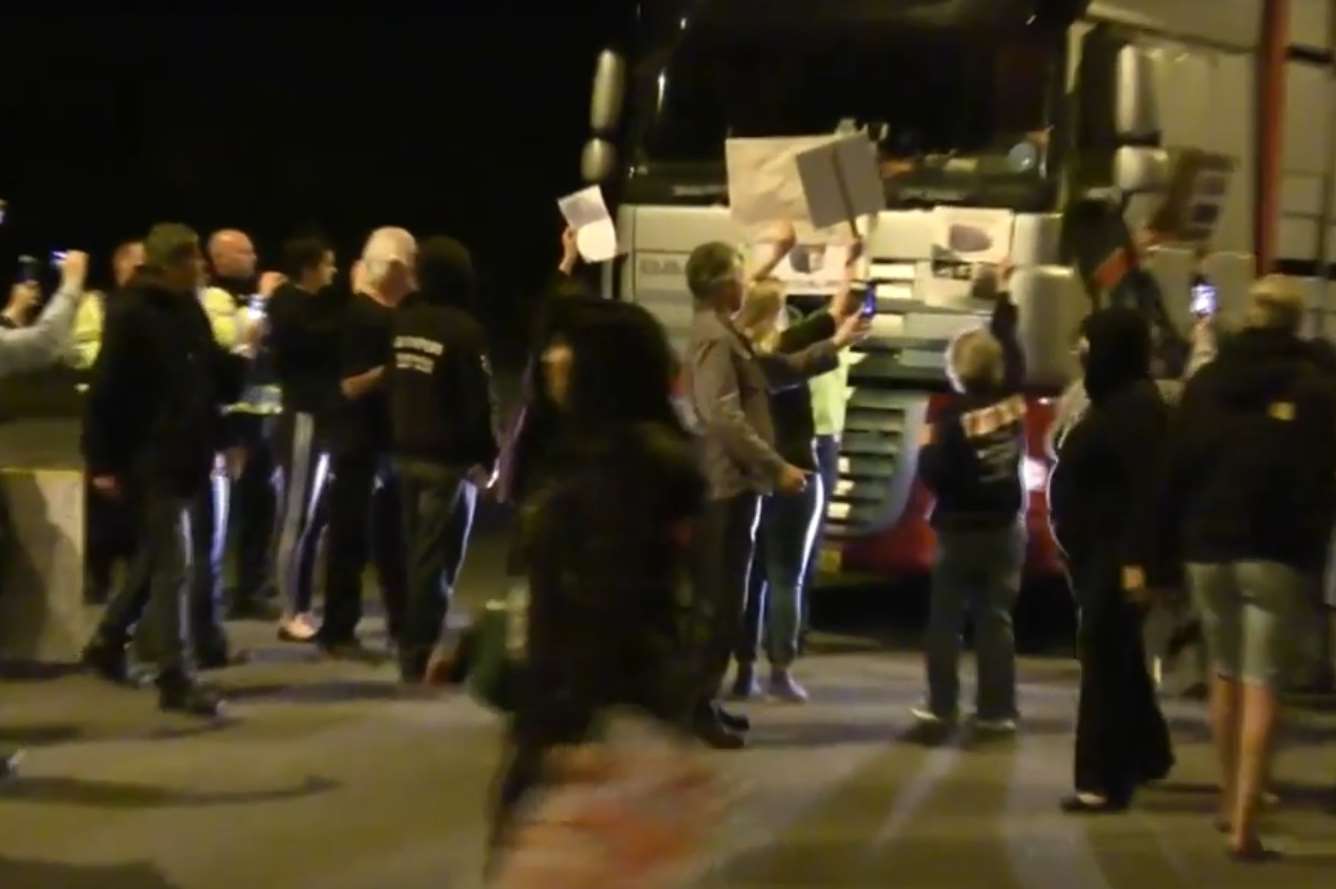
x=467, y=124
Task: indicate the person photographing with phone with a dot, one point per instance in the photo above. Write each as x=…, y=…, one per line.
x=729, y=389
x=786, y=532
x=27, y=348
x=24, y=349
x=971, y=461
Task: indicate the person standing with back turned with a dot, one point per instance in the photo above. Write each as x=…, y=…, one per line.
x=971, y=461
x=1253, y=478
x=444, y=442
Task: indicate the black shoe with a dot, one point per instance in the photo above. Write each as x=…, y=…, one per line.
x=713, y=733
x=252, y=608
x=180, y=693
x=108, y=660
x=412, y=670
x=734, y=722
x=349, y=650
x=218, y=659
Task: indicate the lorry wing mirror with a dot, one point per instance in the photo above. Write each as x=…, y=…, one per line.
x=609, y=93
x=1136, y=114
x=1141, y=170
x=598, y=160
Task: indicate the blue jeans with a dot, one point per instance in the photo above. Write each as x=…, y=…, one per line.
x=775, y=589
x=980, y=570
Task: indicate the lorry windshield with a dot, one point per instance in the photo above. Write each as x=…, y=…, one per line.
x=935, y=92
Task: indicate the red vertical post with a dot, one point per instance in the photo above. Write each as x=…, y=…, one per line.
x=1271, y=64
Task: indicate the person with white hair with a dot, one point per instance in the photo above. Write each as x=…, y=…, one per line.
x=970, y=459
x=364, y=479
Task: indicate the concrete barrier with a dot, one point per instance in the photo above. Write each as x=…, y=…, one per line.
x=42, y=612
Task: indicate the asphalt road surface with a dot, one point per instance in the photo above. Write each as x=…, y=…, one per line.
x=326, y=775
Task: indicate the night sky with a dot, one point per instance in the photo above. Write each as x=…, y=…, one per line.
x=463, y=125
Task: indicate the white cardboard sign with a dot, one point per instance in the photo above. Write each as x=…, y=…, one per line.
x=763, y=182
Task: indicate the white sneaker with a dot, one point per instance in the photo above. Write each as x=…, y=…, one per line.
x=996, y=726
x=925, y=716
x=9, y=764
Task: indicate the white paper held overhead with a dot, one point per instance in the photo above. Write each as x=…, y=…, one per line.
x=587, y=213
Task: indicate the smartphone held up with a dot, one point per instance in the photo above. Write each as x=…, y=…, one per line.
x=1205, y=299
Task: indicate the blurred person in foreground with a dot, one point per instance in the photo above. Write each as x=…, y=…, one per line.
x=607, y=536
x=632, y=808
x=442, y=411
x=1104, y=502
x=786, y=529
x=32, y=348
x=305, y=326
x=150, y=432
x=365, y=501
x=970, y=458
x=1252, y=492
x=730, y=398
x=523, y=458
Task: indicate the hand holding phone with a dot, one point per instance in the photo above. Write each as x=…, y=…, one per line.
x=869, y=301
x=1205, y=300
x=30, y=270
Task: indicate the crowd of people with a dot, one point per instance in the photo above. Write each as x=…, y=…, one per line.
x=666, y=508
x=1223, y=482
x=302, y=406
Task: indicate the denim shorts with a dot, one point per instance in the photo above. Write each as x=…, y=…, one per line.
x=1247, y=611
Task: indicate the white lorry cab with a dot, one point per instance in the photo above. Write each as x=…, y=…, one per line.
x=1082, y=123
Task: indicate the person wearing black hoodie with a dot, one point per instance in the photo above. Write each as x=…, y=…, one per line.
x=305, y=318
x=1253, y=488
x=1103, y=501
x=153, y=416
x=444, y=442
x=971, y=460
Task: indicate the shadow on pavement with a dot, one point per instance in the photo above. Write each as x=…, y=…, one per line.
x=118, y=795
x=38, y=735
x=819, y=734
x=1188, y=797
x=183, y=732
x=16, y=873
x=334, y=692
x=32, y=671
